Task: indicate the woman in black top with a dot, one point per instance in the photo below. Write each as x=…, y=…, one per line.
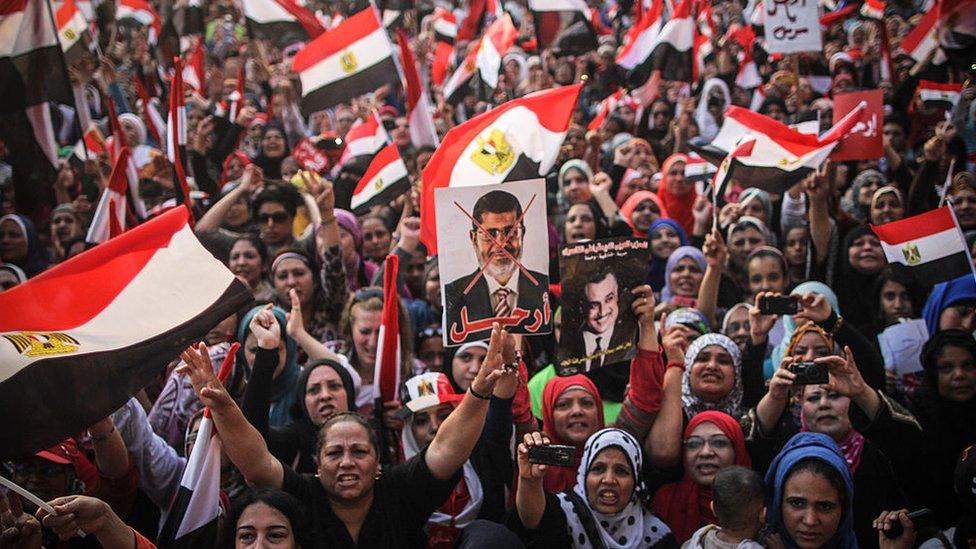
x=352, y=502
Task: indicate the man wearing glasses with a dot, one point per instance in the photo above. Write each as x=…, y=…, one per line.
x=499, y=285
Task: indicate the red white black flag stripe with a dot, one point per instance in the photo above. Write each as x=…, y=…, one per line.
x=385, y=179
x=939, y=95
x=90, y=332
x=72, y=31
x=354, y=58
x=387, y=370
x=283, y=22
x=28, y=51
x=564, y=24
x=365, y=139
x=143, y=14
x=176, y=134
x=518, y=140
x=930, y=247
x=422, y=130
x=113, y=198
x=193, y=517
x=666, y=47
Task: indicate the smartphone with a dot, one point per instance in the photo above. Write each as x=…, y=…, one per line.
x=553, y=454
x=779, y=305
x=921, y=519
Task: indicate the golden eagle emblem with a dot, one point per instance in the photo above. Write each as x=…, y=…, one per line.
x=494, y=153
x=34, y=344
x=379, y=183
x=348, y=62
x=424, y=388
x=912, y=255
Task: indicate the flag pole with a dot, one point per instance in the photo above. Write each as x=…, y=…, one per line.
x=67, y=77
x=945, y=187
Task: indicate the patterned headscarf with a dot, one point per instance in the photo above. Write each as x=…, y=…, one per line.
x=731, y=403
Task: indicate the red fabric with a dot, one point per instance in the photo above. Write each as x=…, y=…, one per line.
x=444, y=536
x=679, y=207
x=239, y=155
x=559, y=479
x=684, y=505
x=522, y=403
x=646, y=376
x=627, y=210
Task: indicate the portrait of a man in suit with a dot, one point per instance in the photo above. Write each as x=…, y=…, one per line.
x=602, y=335
x=500, y=284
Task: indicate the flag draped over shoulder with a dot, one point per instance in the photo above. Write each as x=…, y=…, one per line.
x=929, y=247
x=90, y=332
x=518, y=140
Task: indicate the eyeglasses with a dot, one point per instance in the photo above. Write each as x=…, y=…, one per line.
x=487, y=236
x=277, y=217
x=717, y=442
x=430, y=331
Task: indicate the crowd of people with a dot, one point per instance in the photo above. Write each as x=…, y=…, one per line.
x=708, y=438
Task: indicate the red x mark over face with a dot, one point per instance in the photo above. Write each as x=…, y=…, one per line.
x=498, y=243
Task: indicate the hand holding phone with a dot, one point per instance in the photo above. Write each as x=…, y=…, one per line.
x=779, y=305
x=553, y=454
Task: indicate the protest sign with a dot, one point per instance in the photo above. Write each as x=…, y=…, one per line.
x=792, y=26
x=901, y=346
x=865, y=140
x=494, y=259
x=309, y=157
x=598, y=325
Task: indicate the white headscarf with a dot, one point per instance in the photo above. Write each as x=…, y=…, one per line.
x=634, y=526
x=732, y=403
x=707, y=125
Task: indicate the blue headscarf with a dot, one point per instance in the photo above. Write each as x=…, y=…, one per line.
x=803, y=446
x=283, y=386
x=36, y=259
x=789, y=324
x=944, y=295
x=655, y=274
x=676, y=256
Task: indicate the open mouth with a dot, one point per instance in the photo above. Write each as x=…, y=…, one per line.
x=707, y=468
x=578, y=426
x=347, y=480
x=607, y=497
x=578, y=235
x=326, y=410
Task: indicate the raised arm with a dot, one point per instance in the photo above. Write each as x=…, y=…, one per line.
x=818, y=190
x=111, y=457
x=715, y=255
x=252, y=180
x=241, y=441
x=530, y=498
x=665, y=451
x=643, y=399
x=459, y=433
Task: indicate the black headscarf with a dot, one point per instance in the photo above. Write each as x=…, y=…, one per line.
x=271, y=166
x=856, y=292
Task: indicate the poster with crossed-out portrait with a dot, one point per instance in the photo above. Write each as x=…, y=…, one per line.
x=493, y=256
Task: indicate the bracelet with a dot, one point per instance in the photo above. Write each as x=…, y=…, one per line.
x=476, y=394
x=99, y=438
x=678, y=365
x=837, y=326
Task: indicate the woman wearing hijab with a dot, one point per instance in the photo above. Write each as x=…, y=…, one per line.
x=20, y=246
x=808, y=477
x=607, y=507
x=272, y=149
x=263, y=338
x=945, y=405
x=359, y=271
x=887, y=205
x=756, y=203
x=676, y=192
x=464, y=361
x=715, y=98
x=951, y=304
x=10, y=276
x=135, y=132
x=712, y=378
x=572, y=410
x=712, y=441
x=574, y=183
x=857, y=201
x=861, y=260
x=641, y=210
x=682, y=277
x=666, y=236
x=874, y=433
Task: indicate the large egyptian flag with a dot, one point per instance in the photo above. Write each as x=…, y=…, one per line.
x=386, y=375
x=385, y=179
x=193, y=515
x=141, y=13
x=929, y=247
x=519, y=139
x=354, y=58
x=80, y=339
x=73, y=31
x=422, y=130
x=29, y=54
x=939, y=95
x=564, y=25
x=283, y=22
x=109, y=218
x=667, y=47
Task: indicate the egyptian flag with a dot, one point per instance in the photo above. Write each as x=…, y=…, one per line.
x=283, y=22
x=89, y=147
x=109, y=218
x=939, y=95
x=29, y=53
x=873, y=9
x=564, y=25
x=422, y=131
x=922, y=39
x=699, y=169
x=445, y=32
x=385, y=179
x=193, y=516
x=702, y=49
x=365, y=139
x=606, y=107
x=188, y=18
x=78, y=340
x=957, y=31
x=236, y=98
x=519, y=139
x=354, y=58
x=154, y=122
x=142, y=14
x=115, y=143
x=386, y=376
x=837, y=15
x=664, y=47
x=481, y=13
x=72, y=31
x=929, y=247
x=176, y=134
x=705, y=19
x=193, y=75
x=483, y=59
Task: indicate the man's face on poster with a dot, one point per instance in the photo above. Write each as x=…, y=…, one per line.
x=503, y=227
x=600, y=306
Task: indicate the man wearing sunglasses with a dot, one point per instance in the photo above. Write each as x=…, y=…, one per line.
x=274, y=212
x=499, y=284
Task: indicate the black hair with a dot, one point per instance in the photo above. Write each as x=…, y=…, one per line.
x=895, y=118
x=892, y=274
x=821, y=468
x=933, y=349
x=347, y=417
x=496, y=202
x=298, y=410
x=287, y=196
x=737, y=494
x=283, y=502
x=258, y=244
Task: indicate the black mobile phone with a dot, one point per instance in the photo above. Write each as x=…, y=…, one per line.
x=920, y=518
x=779, y=305
x=553, y=454
x=810, y=373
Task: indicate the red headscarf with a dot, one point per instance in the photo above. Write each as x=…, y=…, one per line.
x=684, y=505
x=559, y=479
x=241, y=157
x=627, y=210
x=678, y=206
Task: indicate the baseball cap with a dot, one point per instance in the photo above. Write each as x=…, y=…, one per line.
x=429, y=389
